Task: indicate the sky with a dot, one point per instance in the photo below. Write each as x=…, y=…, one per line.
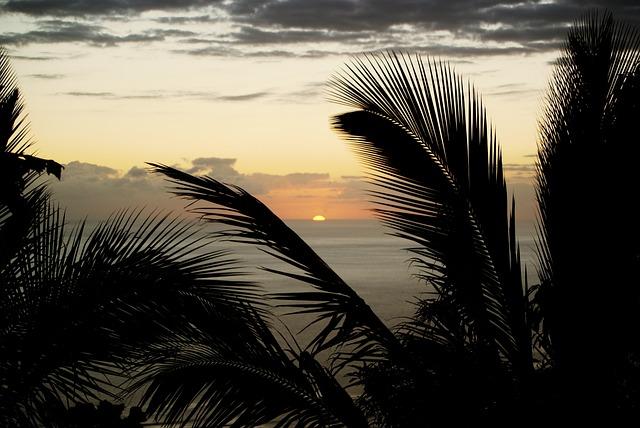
x=235, y=88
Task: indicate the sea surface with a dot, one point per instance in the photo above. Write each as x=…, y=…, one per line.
x=364, y=254
x=367, y=257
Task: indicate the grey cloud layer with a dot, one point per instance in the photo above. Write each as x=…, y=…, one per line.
x=491, y=27
x=534, y=25
x=63, y=31
x=96, y=191
x=99, y=7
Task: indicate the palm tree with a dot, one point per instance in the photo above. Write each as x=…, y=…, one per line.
x=137, y=298
x=77, y=308
x=18, y=170
x=588, y=219
x=441, y=183
x=483, y=347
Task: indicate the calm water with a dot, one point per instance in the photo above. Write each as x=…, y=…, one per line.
x=366, y=257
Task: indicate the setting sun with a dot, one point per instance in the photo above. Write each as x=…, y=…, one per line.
x=319, y=218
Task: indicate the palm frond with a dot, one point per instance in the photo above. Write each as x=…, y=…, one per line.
x=222, y=370
x=348, y=318
x=14, y=127
x=432, y=155
x=20, y=196
x=588, y=229
x=76, y=308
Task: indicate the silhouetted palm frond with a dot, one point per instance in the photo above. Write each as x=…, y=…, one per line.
x=349, y=319
x=14, y=130
x=76, y=308
x=20, y=198
x=589, y=239
x=223, y=370
x=438, y=171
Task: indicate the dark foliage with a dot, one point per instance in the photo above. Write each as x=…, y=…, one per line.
x=139, y=297
x=77, y=309
x=589, y=231
x=104, y=415
x=482, y=347
x=468, y=346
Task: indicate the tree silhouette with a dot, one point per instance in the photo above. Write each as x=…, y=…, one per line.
x=439, y=172
x=140, y=298
x=588, y=219
x=18, y=170
x=483, y=346
x=76, y=308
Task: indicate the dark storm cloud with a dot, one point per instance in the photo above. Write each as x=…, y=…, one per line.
x=376, y=15
x=534, y=25
x=257, y=36
x=99, y=7
x=172, y=32
x=487, y=27
x=61, y=31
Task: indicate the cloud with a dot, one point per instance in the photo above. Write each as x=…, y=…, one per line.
x=45, y=76
x=243, y=97
x=88, y=171
x=223, y=50
x=519, y=173
x=88, y=94
x=101, y=7
x=97, y=191
x=186, y=19
x=194, y=95
x=517, y=26
x=215, y=167
x=439, y=27
x=449, y=15
x=511, y=89
x=258, y=183
x=136, y=172
x=33, y=57
x=309, y=92
x=173, y=32
x=258, y=36
x=62, y=31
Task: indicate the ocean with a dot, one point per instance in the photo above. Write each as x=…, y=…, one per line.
x=367, y=257
x=363, y=253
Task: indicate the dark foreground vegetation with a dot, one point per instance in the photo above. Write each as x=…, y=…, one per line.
x=131, y=306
